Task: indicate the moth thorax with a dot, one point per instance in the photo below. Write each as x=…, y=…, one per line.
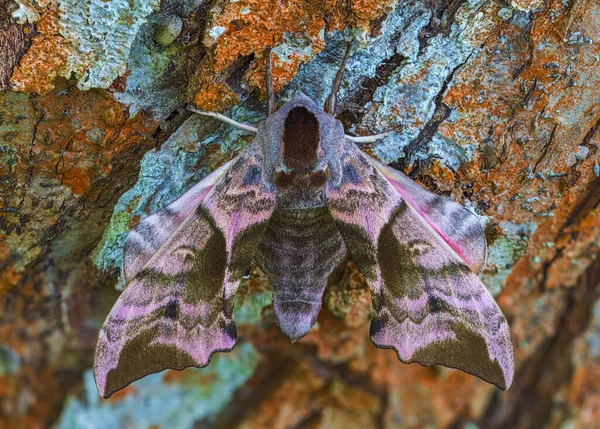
x=301, y=138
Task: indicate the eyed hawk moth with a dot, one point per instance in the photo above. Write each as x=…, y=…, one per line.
x=295, y=201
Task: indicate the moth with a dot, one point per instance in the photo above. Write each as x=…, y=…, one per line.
x=295, y=201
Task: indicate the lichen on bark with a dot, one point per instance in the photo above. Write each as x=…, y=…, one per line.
x=494, y=104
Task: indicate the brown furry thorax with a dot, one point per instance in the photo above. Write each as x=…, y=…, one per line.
x=301, y=138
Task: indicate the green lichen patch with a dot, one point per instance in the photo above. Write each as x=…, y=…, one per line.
x=502, y=255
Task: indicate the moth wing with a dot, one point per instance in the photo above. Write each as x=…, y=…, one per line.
x=428, y=304
x=177, y=309
x=455, y=224
x=153, y=231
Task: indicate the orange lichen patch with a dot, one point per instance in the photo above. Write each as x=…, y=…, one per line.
x=113, y=115
x=289, y=404
x=252, y=26
x=9, y=276
x=78, y=144
x=283, y=69
x=574, y=233
x=243, y=28
x=544, y=127
x=441, y=176
x=294, y=29
x=29, y=403
x=369, y=10
x=476, y=94
x=64, y=147
x=45, y=59
x=65, y=144
x=579, y=379
x=215, y=97
x=583, y=393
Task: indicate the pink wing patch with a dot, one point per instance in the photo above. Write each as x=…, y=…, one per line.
x=151, y=233
x=455, y=224
x=183, y=266
x=428, y=304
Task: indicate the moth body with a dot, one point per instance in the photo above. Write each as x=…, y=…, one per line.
x=296, y=200
x=299, y=250
x=301, y=245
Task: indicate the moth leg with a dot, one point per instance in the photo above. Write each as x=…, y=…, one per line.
x=269, y=81
x=331, y=101
x=224, y=118
x=368, y=139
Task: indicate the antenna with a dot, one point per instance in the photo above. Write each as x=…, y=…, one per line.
x=269, y=81
x=331, y=101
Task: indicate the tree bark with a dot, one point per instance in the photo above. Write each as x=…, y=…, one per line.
x=495, y=105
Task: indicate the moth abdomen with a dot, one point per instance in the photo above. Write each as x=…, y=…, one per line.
x=295, y=316
x=300, y=248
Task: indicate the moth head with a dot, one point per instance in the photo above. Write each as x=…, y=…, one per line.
x=302, y=145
